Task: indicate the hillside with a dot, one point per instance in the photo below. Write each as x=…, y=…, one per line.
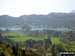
x=52, y=20
x=73, y=11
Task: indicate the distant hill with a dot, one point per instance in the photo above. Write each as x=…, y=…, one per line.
x=52, y=20
x=73, y=11
x=6, y=20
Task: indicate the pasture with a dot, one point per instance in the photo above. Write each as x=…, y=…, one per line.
x=21, y=37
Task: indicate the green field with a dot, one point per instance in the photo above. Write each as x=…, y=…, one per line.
x=14, y=33
x=72, y=48
x=21, y=37
x=55, y=40
x=24, y=48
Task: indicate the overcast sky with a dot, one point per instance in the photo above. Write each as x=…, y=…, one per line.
x=21, y=7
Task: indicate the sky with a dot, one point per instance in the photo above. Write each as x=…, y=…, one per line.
x=27, y=7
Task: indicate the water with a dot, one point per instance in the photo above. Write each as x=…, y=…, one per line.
x=34, y=29
x=12, y=29
x=56, y=29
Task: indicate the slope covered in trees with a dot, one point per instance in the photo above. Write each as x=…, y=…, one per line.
x=52, y=20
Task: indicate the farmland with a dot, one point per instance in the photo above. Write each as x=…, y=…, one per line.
x=42, y=39
x=21, y=37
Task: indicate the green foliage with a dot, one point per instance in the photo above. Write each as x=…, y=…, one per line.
x=13, y=51
x=72, y=48
x=55, y=40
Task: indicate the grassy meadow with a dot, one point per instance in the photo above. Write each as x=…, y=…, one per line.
x=21, y=37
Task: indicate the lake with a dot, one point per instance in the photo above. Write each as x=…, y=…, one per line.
x=12, y=29
x=56, y=29
x=34, y=29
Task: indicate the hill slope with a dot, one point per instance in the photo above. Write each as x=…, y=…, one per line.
x=52, y=19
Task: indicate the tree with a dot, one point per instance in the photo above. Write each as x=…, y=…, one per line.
x=25, y=28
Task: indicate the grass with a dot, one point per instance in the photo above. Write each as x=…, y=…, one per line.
x=24, y=48
x=14, y=33
x=55, y=40
x=72, y=48
x=35, y=26
x=64, y=44
x=22, y=39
